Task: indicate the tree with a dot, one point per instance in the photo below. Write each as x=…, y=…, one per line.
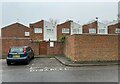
x=53, y=21
x=62, y=39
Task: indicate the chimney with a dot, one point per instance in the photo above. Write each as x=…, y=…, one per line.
x=96, y=18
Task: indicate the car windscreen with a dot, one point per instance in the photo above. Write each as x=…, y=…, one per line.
x=17, y=50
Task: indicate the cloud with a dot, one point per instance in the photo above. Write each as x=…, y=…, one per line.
x=83, y=12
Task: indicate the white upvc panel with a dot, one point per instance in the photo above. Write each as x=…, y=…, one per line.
x=102, y=28
x=50, y=32
x=76, y=28
x=77, y=31
x=102, y=31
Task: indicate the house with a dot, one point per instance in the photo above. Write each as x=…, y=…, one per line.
x=43, y=31
x=17, y=30
x=102, y=28
x=95, y=27
x=114, y=27
x=68, y=28
x=91, y=27
x=76, y=28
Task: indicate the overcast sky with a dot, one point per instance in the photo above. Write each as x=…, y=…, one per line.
x=29, y=12
x=82, y=11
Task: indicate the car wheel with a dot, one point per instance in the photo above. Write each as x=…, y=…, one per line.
x=33, y=57
x=27, y=61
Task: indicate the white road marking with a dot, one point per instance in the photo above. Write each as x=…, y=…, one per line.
x=31, y=70
x=60, y=69
x=41, y=70
x=36, y=69
x=52, y=58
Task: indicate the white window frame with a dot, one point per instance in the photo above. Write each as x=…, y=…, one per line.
x=37, y=30
x=66, y=30
x=51, y=31
x=27, y=33
x=117, y=30
x=102, y=32
x=76, y=31
x=93, y=30
x=51, y=44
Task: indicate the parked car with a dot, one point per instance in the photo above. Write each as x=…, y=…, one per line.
x=20, y=54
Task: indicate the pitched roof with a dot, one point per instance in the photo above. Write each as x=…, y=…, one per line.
x=91, y=21
x=113, y=22
x=65, y=22
x=36, y=22
x=15, y=24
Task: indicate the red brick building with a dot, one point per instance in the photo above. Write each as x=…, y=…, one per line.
x=82, y=47
x=14, y=35
x=37, y=36
x=90, y=27
x=96, y=27
x=15, y=30
x=43, y=31
x=114, y=27
x=68, y=28
x=63, y=29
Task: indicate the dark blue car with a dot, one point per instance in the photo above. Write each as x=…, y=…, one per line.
x=20, y=54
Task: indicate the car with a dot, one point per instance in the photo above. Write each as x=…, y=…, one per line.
x=20, y=54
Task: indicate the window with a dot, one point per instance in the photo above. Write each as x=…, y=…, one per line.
x=51, y=44
x=92, y=30
x=102, y=31
x=117, y=30
x=50, y=31
x=76, y=31
x=38, y=30
x=65, y=30
x=27, y=33
x=16, y=50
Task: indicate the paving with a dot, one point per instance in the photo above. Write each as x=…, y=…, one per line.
x=66, y=61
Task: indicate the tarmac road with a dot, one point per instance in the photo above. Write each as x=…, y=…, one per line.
x=50, y=70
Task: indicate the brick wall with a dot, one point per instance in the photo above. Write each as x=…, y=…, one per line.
x=92, y=47
x=88, y=26
x=69, y=49
x=37, y=36
x=56, y=50
x=9, y=42
x=15, y=30
x=0, y=47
